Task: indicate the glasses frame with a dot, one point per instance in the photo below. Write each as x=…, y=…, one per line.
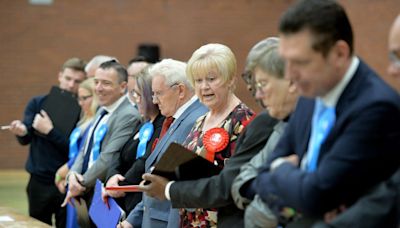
x=135, y=95
x=157, y=95
x=260, y=86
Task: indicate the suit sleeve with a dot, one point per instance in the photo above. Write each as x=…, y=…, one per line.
x=215, y=191
x=365, y=152
x=30, y=111
x=135, y=217
x=249, y=171
x=117, y=136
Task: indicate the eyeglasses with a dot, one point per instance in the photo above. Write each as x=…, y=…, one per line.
x=135, y=95
x=261, y=85
x=394, y=57
x=156, y=95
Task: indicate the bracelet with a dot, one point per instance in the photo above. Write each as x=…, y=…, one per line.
x=58, y=178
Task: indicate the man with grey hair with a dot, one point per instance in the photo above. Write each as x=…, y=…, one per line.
x=95, y=62
x=175, y=97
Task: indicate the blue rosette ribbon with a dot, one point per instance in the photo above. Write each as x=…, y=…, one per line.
x=145, y=133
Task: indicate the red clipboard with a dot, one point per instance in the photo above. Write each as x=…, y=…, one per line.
x=124, y=188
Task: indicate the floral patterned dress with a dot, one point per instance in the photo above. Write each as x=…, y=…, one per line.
x=234, y=124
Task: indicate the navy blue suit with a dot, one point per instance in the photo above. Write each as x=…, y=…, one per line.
x=361, y=150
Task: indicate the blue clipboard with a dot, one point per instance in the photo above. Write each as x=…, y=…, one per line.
x=104, y=215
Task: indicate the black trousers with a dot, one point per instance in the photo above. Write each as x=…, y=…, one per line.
x=45, y=200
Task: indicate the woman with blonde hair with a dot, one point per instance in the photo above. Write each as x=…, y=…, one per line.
x=88, y=102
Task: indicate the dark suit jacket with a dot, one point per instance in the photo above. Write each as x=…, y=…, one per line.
x=361, y=150
x=215, y=192
x=132, y=169
x=379, y=208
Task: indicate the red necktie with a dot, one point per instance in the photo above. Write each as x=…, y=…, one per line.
x=166, y=124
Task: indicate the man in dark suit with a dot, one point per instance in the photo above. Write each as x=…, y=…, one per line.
x=175, y=98
x=380, y=207
x=214, y=192
x=329, y=161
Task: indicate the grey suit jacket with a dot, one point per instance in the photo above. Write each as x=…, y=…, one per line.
x=156, y=213
x=120, y=125
x=250, y=170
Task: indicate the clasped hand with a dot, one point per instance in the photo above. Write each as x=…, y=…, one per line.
x=75, y=188
x=42, y=123
x=156, y=187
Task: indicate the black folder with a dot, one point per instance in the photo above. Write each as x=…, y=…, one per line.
x=179, y=163
x=63, y=109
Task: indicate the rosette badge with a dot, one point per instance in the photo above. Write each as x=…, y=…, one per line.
x=215, y=140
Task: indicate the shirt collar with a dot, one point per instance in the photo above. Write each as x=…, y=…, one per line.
x=181, y=109
x=130, y=101
x=111, y=108
x=331, y=98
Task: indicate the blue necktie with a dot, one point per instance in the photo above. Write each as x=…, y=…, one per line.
x=89, y=148
x=322, y=122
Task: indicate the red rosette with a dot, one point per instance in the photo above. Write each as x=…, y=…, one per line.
x=215, y=140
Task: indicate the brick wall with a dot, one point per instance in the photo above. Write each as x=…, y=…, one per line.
x=36, y=40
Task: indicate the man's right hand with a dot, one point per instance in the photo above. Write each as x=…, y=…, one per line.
x=113, y=181
x=74, y=184
x=18, y=128
x=124, y=224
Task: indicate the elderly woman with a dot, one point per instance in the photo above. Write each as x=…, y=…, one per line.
x=279, y=96
x=129, y=167
x=212, y=71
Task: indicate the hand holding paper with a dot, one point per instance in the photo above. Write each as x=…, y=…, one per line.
x=156, y=187
x=42, y=123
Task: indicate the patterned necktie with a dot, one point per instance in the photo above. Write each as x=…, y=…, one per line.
x=166, y=124
x=89, y=148
x=322, y=122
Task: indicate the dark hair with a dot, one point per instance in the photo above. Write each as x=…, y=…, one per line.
x=326, y=20
x=121, y=71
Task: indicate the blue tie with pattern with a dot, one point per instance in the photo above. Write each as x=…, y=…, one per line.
x=322, y=122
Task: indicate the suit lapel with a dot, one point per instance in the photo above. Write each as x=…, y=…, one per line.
x=169, y=136
x=343, y=107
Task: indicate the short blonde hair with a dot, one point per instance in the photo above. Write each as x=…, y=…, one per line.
x=212, y=57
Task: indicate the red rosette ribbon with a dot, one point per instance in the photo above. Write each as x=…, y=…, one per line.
x=215, y=140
